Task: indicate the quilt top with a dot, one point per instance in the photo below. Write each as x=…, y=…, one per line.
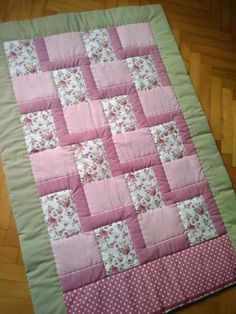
x=131, y=219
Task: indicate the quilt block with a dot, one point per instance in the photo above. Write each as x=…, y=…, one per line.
x=127, y=205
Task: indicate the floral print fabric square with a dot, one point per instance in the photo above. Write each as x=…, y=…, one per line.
x=168, y=141
x=39, y=131
x=22, y=57
x=143, y=72
x=116, y=247
x=119, y=114
x=70, y=85
x=60, y=215
x=98, y=46
x=144, y=190
x=91, y=161
x=196, y=220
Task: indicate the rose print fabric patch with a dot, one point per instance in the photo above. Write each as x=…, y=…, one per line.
x=91, y=161
x=144, y=190
x=116, y=248
x=98, y=46
x=60, y=215
x=143, y=72
x=22, y=57
x=168, y=141
x=70, y=85
x=39, y=131
x=119, y=114
x=196, y=221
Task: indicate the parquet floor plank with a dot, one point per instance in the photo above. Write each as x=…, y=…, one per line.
x=205, y=88
x=215, y=107
x=3, y=9
x=38, y=8
x=195, y=70
x=227, y=121
x=226, y=16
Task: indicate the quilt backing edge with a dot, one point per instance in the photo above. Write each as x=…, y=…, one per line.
x=38, y=258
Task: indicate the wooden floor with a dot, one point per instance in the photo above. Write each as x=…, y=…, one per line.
x=206, y=34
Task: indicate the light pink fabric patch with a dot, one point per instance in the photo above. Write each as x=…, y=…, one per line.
x=135, y=35
x=158, y=100
x=184, y=171
x=84, y=116
x=114, y=191
x=63, y=46
x=53, y=163
x=109, y=74
x=160, y=224
x=34, y=86
x=75, y=253
x=134, y=144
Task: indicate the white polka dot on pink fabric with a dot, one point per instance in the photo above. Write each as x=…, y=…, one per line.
x=159, y=285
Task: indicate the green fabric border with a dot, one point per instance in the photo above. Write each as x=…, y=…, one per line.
x=46, y=293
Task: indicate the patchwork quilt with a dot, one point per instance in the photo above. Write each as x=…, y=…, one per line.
x=120, y=197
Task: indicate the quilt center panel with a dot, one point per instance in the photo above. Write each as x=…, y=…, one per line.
x=118, y=176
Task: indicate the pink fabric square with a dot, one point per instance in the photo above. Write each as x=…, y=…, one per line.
x=112, y=73
x=160, y=224
x=114, y=191
x=183, y=172
x=34, y=86
x=135, y=35
x=84, y=116
x=63, y=46
x=134, y=144
x=158, y=100
x=75, y=253
x=53, y=163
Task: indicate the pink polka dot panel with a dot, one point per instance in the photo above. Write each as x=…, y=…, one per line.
x=160, y=285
